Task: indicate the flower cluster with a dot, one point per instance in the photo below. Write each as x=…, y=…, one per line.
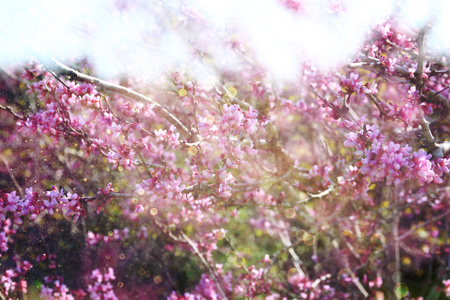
x=353, y=85
x=205, y=289
x=311, y=289
x=168, y=136
x=13, y=281
x=101, y=287
x=447, y=287
x=58, y=290
x=393, y=162
x=233, y=121
x=157, y=188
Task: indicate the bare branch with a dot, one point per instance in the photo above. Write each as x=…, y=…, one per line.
x=420, y=58
x=426, y=131
x=11, y=174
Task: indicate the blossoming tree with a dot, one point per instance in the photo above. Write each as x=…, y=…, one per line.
x=334, y=186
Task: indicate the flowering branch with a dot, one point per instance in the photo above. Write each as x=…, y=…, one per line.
x=78, y=76
x=430, y=93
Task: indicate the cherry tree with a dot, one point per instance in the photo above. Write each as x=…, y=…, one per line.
x=233, y=185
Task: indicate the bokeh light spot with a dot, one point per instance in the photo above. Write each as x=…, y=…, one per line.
x=309, y=240
x=387, y=214
x=232, y=90
x=157, y=279
x=301, y=234
x=397, y=277
x=291, y=272
x=266, y=182
x=290, y=213
x=192, y=150
x=210, y=119
x=406, y=260
x=239, y=261
x=378, y=240
x=422, y=233
x=401, y=290
x=220, y=234
x=379, y=295
x=232, y=256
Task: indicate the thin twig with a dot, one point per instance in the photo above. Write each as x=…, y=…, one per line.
x=412, y=230
x=319, y=195
x=106, y=197
x=395, y=226
x=430, y=93
x=142, y=161
x=10, y=110
x=11, y=174
x=378, y=105
x=57, y=78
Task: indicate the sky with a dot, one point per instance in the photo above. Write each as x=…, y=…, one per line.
x=145, y=37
